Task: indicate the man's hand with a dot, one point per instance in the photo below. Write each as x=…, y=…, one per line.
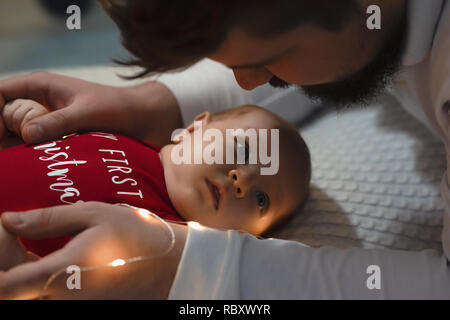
x=11, y=251
x=148, y=111
x=103, y=233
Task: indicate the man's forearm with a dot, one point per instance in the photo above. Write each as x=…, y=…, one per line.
x=155, y=112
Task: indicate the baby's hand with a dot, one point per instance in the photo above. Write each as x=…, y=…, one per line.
x=11, y=251
x=18, y=112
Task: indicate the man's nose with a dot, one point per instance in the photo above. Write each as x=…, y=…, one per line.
x=240, y=182
x=249, y=79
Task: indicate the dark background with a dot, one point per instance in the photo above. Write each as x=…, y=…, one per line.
x=33, y=35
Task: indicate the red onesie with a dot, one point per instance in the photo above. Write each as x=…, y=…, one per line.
x=87, y=167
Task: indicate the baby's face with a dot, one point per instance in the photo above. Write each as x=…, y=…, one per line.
x=232, y=195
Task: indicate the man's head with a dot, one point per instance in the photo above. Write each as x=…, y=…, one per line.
x=233, y=195
x=324, y=46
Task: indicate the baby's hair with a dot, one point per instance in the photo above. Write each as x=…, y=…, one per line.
x=297, y=147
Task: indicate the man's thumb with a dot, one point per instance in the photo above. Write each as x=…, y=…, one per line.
x=47, y=222
x=33, y=133
x=12, y=219
x=50, y=126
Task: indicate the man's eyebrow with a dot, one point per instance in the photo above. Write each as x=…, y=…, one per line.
x=260, y=64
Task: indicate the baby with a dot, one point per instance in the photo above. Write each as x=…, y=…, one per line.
x=117, y=169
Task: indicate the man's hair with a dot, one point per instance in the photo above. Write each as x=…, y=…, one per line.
x=164, y=35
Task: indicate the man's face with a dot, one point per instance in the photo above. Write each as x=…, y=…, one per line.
x=345, y=67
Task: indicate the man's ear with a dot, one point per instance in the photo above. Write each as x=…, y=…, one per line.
x=204, y=118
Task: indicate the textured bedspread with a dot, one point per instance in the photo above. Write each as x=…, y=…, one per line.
x=376, y=182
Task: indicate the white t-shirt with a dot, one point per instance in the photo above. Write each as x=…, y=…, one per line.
x=231, y=265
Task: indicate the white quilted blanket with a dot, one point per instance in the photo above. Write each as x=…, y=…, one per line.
x=375, y=183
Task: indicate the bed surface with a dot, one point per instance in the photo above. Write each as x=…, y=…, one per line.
x=375, y=182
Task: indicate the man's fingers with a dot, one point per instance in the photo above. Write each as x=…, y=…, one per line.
x=53, y=221
x=26, y=281
x=31, y=86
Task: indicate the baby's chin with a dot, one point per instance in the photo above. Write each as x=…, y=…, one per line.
x=188, y=209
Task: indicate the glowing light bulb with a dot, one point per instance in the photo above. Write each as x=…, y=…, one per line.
x=144, y=213
x=69, y=135
x=118, y=262
x=195, y=225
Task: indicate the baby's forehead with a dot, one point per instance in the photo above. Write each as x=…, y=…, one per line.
x=256, y=118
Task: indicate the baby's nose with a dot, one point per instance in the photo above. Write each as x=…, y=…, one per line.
x=240, y=183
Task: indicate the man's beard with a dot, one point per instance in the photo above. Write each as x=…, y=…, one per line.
x=363, y=87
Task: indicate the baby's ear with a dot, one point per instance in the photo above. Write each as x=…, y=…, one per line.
x=204, y=118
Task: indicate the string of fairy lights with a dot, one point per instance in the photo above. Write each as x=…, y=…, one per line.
x=146, y=214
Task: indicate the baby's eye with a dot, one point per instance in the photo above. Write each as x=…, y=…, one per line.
x=262, y=199
x=242, y=151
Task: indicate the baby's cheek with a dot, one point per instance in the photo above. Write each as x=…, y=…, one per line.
x=190, y=204
x=240, y=218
